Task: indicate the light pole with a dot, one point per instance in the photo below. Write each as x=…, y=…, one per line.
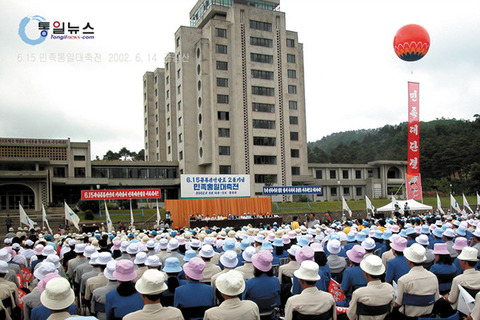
x=99, y=204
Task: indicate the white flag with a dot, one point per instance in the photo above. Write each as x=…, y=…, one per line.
x=478, y=200
x=439, y=205
x=71, y=216
x=465, y=203
x=44, y=218
x=369, y=205
x=158, y=215
x=24, y=218
x=465, y=301
x=345, y=207
x=454, y=204
x=109, y=221
x=131, y=214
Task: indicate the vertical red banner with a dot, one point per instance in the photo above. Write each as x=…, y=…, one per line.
x=414, y=184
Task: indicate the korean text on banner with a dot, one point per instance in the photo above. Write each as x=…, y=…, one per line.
x=414, y=190
x=203, y=186
x=335, y=291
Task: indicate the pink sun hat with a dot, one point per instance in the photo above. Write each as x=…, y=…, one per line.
x=460, y=243
x=194, y=268
x=42, y=283
x=306, y=253
x=356, y=253
x=440, y=248
x=124, y=271
x=262, y=260
x=399, y=244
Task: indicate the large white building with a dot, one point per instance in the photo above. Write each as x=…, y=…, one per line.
x=231, y=98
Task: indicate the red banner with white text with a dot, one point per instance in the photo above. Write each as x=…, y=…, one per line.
x=413, y=183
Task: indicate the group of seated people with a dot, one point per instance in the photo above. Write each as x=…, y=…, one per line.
x=413, y=269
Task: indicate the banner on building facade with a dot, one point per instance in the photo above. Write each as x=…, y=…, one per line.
x=413, y=181
x=275, y=190
x=121, y=194
x=214, y=186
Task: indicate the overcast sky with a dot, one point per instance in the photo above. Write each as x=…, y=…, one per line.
x=353, y=78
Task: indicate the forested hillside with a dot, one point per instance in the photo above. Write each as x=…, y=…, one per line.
x=449, y=151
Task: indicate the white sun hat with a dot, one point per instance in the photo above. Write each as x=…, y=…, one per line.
x=230, y=283
x=151, y=282
x=373, y=265
x=308, y=271
x=57, y=294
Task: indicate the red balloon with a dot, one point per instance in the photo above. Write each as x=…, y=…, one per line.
x=411, y=42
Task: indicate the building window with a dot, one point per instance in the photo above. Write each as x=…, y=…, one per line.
x=144, y=83
x=178, y=41
x=263, y=107
x=333, y=174
x=223, y=132
x=156, y=143
x=261, y=42
x=263, y=178
x=370, y=173
x=264, y=159
x=167, y=79
x=180, y=137
x=222, y=82
x=168, y=93
x=156, y=105
x=263, y=58
x=169, y=150
x=318, y=174
x=260, y=25
x=168, y=135
x=333, y=191
x=345, y=174
x=224, y=150
x=225, y=169
x=222, y=33
x=292, y=105
x=292, y=89
x=291, y=58
x=180, y=155
x=223, y=115
x=263, y=91
x=222, y=98
x=293, y=120
x=291, y=43
x=166, y=65
x=156, y=118
x=79, y=172
x=180, y=121
x=358, y=191
x=294, y=136
x=292, y=73
x=158, y=156
x=222, y=65
x=156, y=92
x=264, y=141
x=168, y=121
x=179, y=105
x=59, y=172
x=156, y=130
x=262, y=74
x=358, y=174
x=263, y=124
x=179, y=89
x=346, y=191
x=295, y=153
x=80, y=158
x=179, y=73
x=295, y=171
x=220, y=48
x=168, y=107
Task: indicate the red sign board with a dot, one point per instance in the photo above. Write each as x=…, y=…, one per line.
x=414, y=185
x=120, y=194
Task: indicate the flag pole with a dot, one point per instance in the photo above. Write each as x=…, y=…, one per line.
x=19, y=215
x=64, y=214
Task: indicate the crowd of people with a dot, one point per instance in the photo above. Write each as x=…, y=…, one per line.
x=361, y=269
